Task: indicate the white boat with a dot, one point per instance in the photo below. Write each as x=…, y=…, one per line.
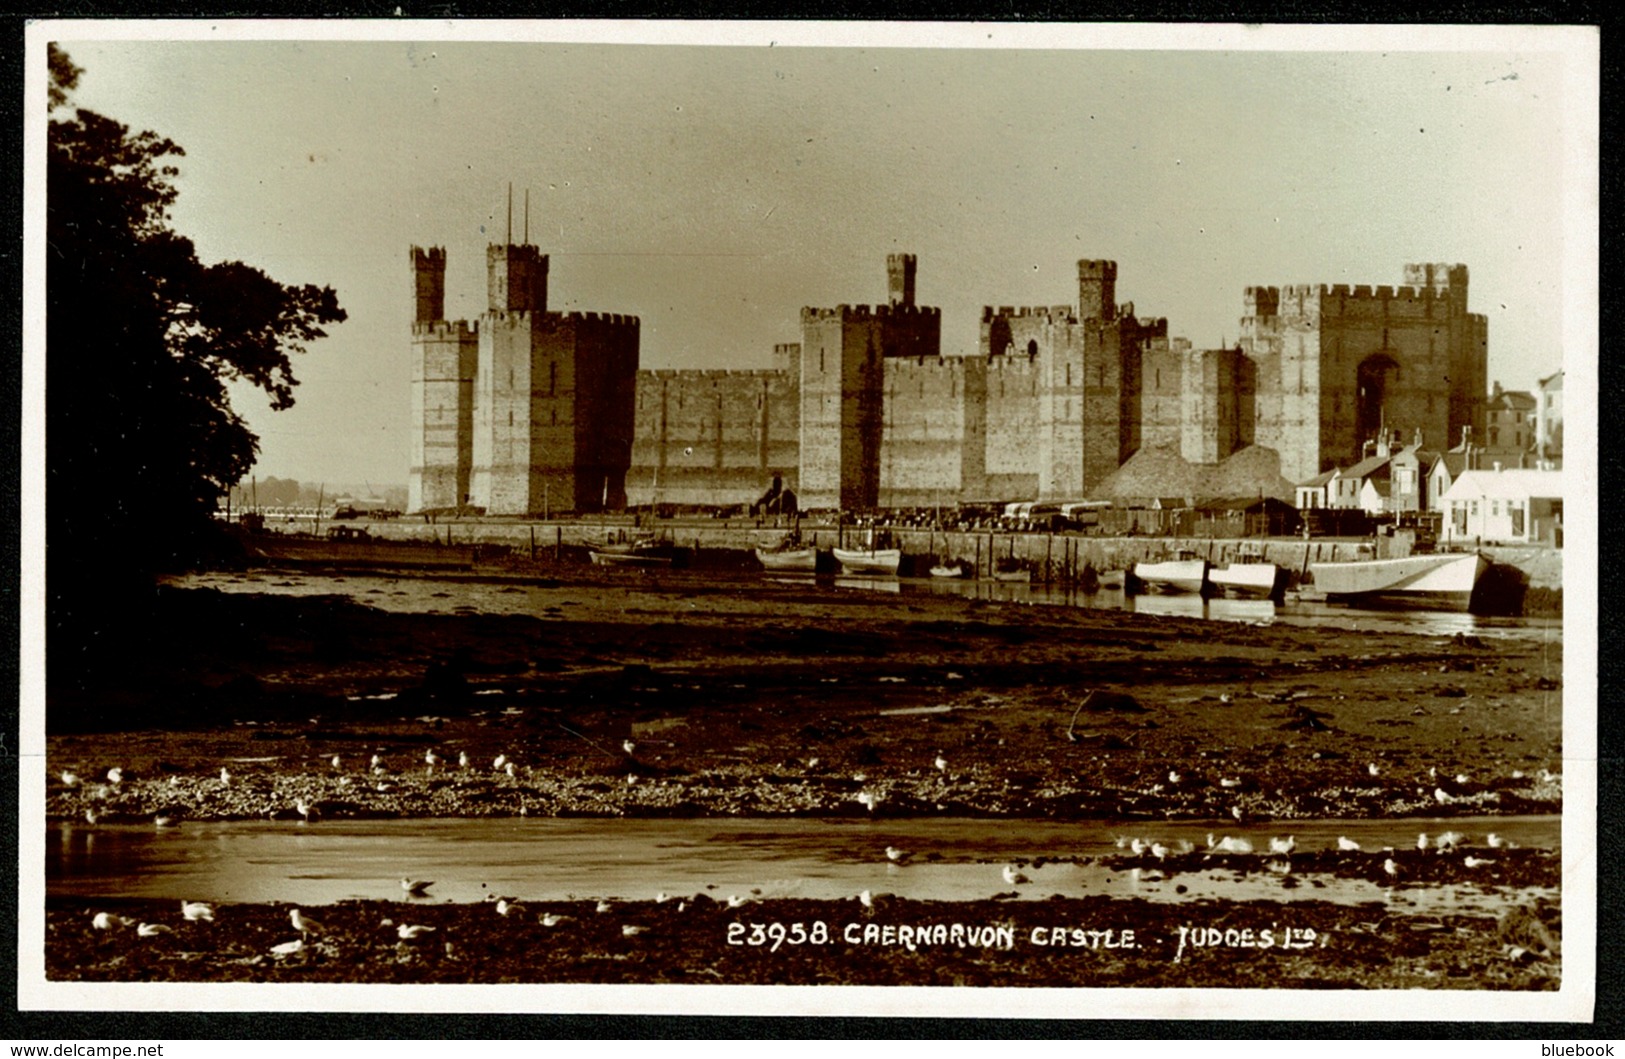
x=788, y=558
x=1427, y=582
x=870, y=561
x=1248, y=580
x=949, y=571
x=1175, y=575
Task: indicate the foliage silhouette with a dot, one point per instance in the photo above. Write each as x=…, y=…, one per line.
x=141, y=341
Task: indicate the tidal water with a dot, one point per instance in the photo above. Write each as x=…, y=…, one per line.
x=558, y=859
x=450, y=595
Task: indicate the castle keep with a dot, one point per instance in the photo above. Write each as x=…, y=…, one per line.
x=524, y=411
x=527, y=411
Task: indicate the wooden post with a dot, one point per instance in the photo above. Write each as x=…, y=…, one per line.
x=978, y=566
x=558, y=543
x=533, y=543
x=1049, y=544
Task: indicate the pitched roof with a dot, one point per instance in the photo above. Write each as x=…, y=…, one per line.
x=1513, y=483
x=1320, y=479
x=1366, y=467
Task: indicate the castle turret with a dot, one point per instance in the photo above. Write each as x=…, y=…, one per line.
x=900, y=278
x=429, y=276
x=1097, y=290
x=516, y=278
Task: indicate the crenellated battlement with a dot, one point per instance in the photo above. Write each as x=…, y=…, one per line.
x=445, y=329
x=702, y=374
x=1055, y=314
x=433, y=257
x=859, y=313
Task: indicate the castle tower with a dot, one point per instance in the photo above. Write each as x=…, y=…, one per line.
x=900, y=278
x=444, y=355
x=1097, y=290
x=516, y=278
x=429, y=272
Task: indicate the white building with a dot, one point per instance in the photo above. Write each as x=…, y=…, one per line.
x=1509, y=506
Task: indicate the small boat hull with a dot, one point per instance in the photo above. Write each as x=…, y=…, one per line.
x=950, y=571
x=883, y=561
x=1422, y=582
x=792, y=560
x=642, y=553
x=1178, y=575
x=1020, y=575
x=1248, y=580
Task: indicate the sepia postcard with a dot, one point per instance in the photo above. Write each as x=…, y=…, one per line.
x=810, y=518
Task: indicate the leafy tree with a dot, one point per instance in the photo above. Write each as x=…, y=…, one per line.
x=141, y=341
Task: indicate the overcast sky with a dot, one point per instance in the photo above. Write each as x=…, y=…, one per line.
x=714, y=191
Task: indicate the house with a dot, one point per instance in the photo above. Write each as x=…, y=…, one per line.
x=1505, y=506
x=1509, y=418
x=1549, y=421
x=1316, y=492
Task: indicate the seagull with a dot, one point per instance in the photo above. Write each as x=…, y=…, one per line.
x=415, y=887
x=662, y=897
x=1495, y=841
x=336, y=761
x=304, y=808
x=196, y=910
x=1391, y=868
x=868, y=799
x=1476, y=862
x=163, y=820
x=1138, y=846
x=382, y=788
x=69, y=779
x=941, y=763
x=1422, y=840
x=812, y=762
x=735, y=901
x=152, y=930
x=431, y=759
x=1174, y=777
x=107, y=921
x=115, y=776
x=377, y=761
x=225, y=776
x=603, y=906
x=303, y=923
x=511, y=769
x=462, y=760
x=1447, y=842
x=631, y=930
x=505, y=906
x=897, y=856
x=1283, y=845
x=408, y=931
x=1233, y=845
x=288, y=948
x=866, y=899
x=1347, y=845
x=1158, y=850
x=1014, y=877
x=91, y=817
x=628, y=746
x=502, y=759
x=1229, y=784
x=548, y=919
x=1373, y=769
x=1224, y=696
x=1236, y=811
x=1279, y=867
x=631, y=778
x=1442, y=796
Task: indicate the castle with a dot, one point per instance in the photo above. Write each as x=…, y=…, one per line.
x=527, y=412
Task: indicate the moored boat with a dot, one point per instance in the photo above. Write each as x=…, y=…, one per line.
x=1175, y=575
x=1248, y=580
x=1426, y=582
x=646, y=551
x=790, y=556
x=951, y=570
x=1011, y=569
x=869, y=561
